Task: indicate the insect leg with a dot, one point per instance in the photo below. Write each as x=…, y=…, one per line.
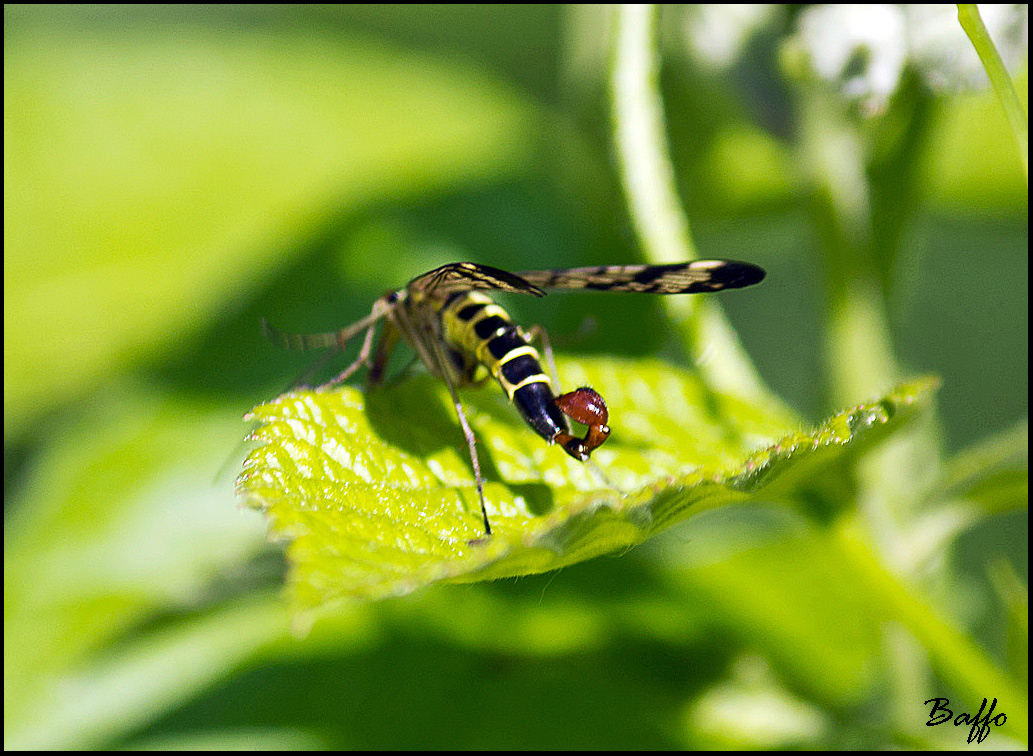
x=333, y=340
x=386, y=345
x=537, y=333
x=362, y=359
x=422, y=332
x=306, y=341
x=315, y=367
x=471, y=443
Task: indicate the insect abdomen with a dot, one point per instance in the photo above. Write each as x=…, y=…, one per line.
x=482, y=332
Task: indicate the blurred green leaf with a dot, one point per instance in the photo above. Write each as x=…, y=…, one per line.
x=377, y=497
x=152, y=178
x=993, y=473
x=122, y=519
x=972, y=162
x=1014, y=595
x=236, y=739
x=107, y=696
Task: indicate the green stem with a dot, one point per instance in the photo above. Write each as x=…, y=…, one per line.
x=957, y=660
x=1004, y=87
x=858, y=348
x=656, y=213
x=641, y=141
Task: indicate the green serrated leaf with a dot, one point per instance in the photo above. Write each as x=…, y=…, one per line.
x=376, y=495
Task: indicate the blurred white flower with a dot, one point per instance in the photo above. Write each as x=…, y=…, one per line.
x=861, y=49
x=754, y=709
x=942, y=53
x=717, y=34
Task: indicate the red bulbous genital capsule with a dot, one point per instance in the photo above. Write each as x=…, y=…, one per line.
x=586, y=406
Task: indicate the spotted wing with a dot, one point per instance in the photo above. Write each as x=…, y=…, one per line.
x=678, y=278
x=464, y=276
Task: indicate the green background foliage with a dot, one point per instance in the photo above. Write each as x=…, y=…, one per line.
x=172, y=174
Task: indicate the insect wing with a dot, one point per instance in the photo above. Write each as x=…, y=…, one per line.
x=678, y=278
x=466, y=276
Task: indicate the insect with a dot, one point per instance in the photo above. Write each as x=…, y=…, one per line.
x=456, y=330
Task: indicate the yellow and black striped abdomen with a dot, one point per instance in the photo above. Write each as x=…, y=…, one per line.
x=483, y=332
x=478, y=331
